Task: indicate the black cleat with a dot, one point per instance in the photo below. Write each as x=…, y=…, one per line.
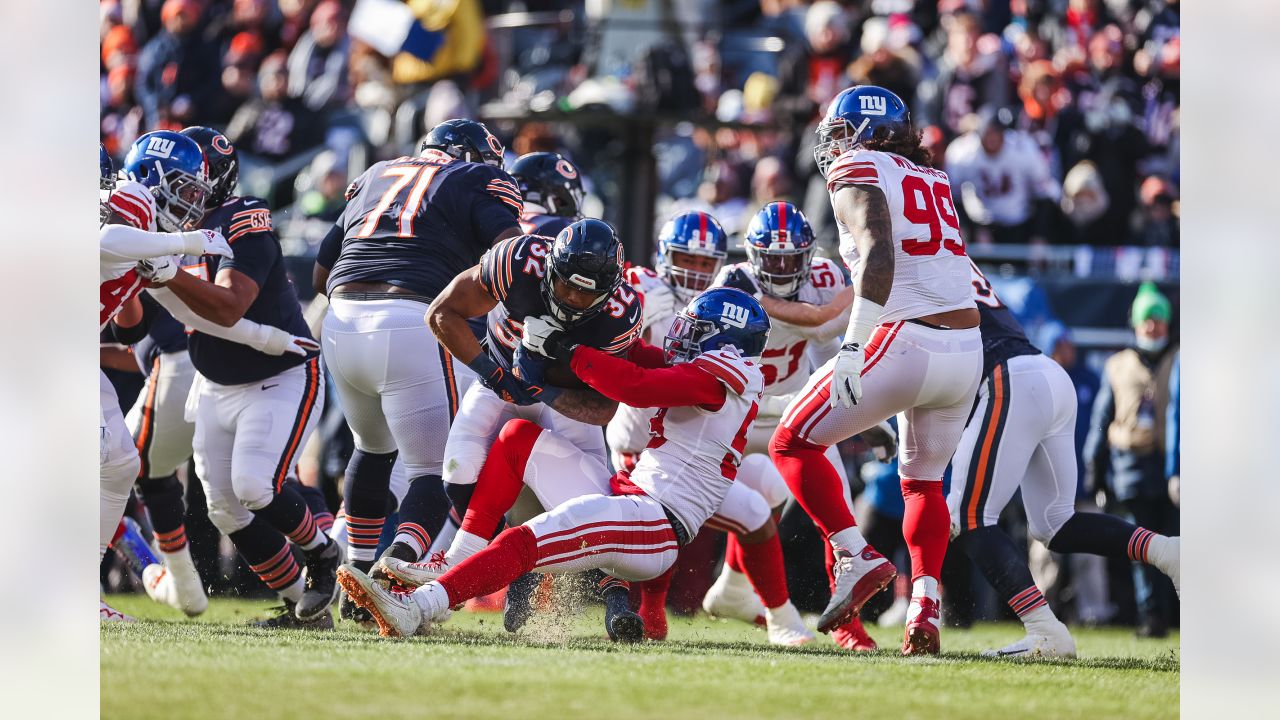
x=518, y=607
x=285, y=619
x=322, y=586
x=620, y=622
x=348, y=610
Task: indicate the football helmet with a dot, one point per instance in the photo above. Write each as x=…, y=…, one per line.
x=780, y=247
x=717, y=318
x=466, y=140
x=549, y=180
x=586, y=256
x=223, y=162
x=856, y=115
x=690, y=233
x=106, y=169
x=172, y=167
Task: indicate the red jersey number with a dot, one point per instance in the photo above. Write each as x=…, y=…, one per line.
x=923, y=205
x=772, y=373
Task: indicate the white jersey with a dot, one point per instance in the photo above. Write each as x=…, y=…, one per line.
x=930, y=271
x=794, y=351
x=694, y=453
x=999, y=188
x=628, y=432
x=120, y=247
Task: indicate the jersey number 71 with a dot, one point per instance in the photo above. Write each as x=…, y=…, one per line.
x=420, y=176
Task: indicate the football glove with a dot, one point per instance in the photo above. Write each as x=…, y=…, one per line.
x=530, y=368
x=503, y=384
x=280, y=342
x=742, y=280
x=543, y=335
x=158, y=270
x=846, y=376
x=206, y=242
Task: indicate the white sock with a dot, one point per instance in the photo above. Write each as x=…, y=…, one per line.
x=849, y=539
x=1158, y=553
x=735, y=580
x=925, y=587
x=464, y=545
x=432, y=599
x=1041, y=621
x=320, y=540
x=293, y=593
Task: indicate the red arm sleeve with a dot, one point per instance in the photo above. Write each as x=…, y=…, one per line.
x=646, y=355
x=628, y=383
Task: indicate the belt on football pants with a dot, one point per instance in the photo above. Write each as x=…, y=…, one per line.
x=682, y=534
x=358, y=296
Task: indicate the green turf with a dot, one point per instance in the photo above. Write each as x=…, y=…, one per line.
x=215, y=667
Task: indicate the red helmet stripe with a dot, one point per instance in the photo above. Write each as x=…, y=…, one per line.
x=702, y=228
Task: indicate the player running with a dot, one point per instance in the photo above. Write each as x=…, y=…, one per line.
x=410, y=226
x=551, y=187
x=707, y=391
x=252, y=410
x=912, y=348
x=1021, y=436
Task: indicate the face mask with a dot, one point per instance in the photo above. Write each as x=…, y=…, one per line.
x=1152, y=345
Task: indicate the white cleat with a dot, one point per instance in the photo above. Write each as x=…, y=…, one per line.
x=396, y=613
x=411, y=575
x=1039, y=647
x=176, y=584
x=786, y=627
x=734, y=598
x=106, y=613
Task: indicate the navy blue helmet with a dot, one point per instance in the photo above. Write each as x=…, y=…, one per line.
x=549, y=180
x=224, y=164
x=854, y=117
x=780, y=246
x=172, y=167
x=718, y=318
x=466, y=140
x=106, y=169
x=692, y=233
x=587, y=257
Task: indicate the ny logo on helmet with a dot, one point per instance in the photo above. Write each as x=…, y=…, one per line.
x=160, y=147
x=735, y=315
x=872, y=104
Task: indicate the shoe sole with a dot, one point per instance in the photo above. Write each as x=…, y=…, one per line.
x=627, y=629
x=361, y=598
x=405, y=580
x=867, y=587
x=921, y=641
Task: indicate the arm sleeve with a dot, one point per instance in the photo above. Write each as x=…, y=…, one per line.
x=245, y=332
x=135, y=333
x=828, y=330
x=331, y=246
x=628, y=383
x=125, y=242
x=647, y=356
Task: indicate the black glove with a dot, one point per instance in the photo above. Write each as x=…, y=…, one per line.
x=503, y=384
x=529, y=369
x=742, y=280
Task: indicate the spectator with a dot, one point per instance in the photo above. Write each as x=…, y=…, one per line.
x=238, y=79
x=177, y=70
x=326, y=198
x=810, y=74
x=118, y=48
x=1084, y=201
x=971, y=74
x=121, y=118
x=1158, y=221
x=769, y=182
x=274, y=126
x=318, y=63
x=1003, y=180
x=1124, y=452
x=888, y=59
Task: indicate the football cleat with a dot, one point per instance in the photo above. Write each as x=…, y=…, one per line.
x=621, y=623
x=1039, y=647
x=396, y=613
x=786, y=627
x=348, y=610
x=176, y=583
x=411, y=574
x=858, y=579
x=852, y=636
x=517, y=608
x=285, y=618
x=321, y=588
x=734, y=598
x=106, y=613
x=923, y=633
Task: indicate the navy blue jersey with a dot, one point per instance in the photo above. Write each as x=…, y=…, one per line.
x=246, y=224
x=1002, y=336
x=548, y=225
x=512, y=273
x=417, y=222
x=166, y=335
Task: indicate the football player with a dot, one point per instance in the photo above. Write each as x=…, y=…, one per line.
x=912, y=349
x=575, y=281
x=552, y=190
x=707, y=390
x=252, y=410
x=410, y=226
x=1021, y=436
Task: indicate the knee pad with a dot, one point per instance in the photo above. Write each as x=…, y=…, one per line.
x=120, y=472
x=758, y=472
x=253, y=493
x=228, y=520
x=758, y=512
x=463, y=467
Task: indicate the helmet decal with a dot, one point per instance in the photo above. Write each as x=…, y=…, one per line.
x=566, y=169
x=221, y=144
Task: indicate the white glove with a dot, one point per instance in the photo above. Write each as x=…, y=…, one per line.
x=882, y=439
x=537, y=330
x=206, y=242
x=279, y=342
x=659, y=302
x=159, y=270
x=846, y=376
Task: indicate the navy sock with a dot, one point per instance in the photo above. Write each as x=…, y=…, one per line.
x=165, y=507
x=460, y=496
x=423, y=511
x=268, y=554
x=1001, y=562
x=288, y=513
x=1094, y=533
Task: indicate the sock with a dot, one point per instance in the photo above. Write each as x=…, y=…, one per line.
x=768, y=573
x=270, y=557
x=464, y=545
x=812, y=480
x=508, y=557
x=422, y=513
x=288, y=513
x=163, y=498
x=365, y=490
x=362, y=537
x=653, y=604
x=849, y=539
x=733, y=553
x=925, y=587
x=926, y=526
x=432, y=599
x=460, y=496
x=1005, y=567
x=501, y=478
x=1156, y=555
x=319, y=507
x=1096, y=534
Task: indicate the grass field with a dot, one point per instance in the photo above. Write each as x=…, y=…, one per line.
x=168, y=667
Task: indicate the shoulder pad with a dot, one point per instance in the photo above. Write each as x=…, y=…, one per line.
x=856, y=167
x=737, y=373
x=134, y=203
